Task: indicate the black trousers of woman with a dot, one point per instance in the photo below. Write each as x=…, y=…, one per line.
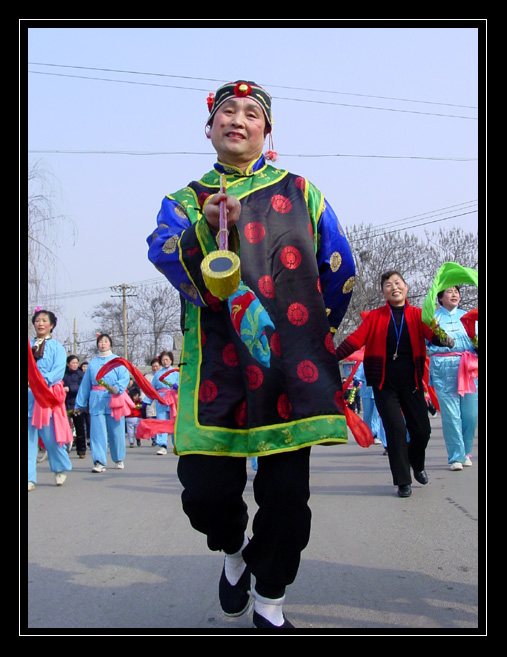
x=79, y=423
x=213, y=500
x=402, y=407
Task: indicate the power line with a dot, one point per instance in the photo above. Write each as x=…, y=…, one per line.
x=101, y=290
x=387, y=232
x=389, y=157
x=462, y=206
x=320, y=102
x=270, y=86
x=364, y=235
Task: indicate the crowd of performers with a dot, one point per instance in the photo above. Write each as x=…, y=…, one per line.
x=443, y=390
x=103, y=409
x=259, y=374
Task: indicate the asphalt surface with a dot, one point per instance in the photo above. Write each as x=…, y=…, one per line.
x=114, y=554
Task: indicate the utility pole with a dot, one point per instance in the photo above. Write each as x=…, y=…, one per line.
x=75, y=338
x=124, y=291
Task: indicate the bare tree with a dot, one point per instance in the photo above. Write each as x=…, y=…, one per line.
x=44, y=233
x=456, y=245
x=158, y=312
x=153, y=317
x=417, y=259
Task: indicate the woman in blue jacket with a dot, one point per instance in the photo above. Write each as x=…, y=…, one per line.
x=171, y=380
x=459, y=410
x=104, y=427
x=50, y=359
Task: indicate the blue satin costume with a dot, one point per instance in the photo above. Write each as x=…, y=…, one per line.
x=459, y=413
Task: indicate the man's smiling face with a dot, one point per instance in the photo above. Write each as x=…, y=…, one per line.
x=238, y=132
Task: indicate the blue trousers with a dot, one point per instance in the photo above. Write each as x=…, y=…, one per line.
x=372, y=419
x=459, y=421
x=58, y=456
x=162, y=438
x=103, y=429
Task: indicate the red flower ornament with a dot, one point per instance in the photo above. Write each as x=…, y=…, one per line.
x=242, y=89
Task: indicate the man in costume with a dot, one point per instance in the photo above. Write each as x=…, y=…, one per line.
x=258, y=372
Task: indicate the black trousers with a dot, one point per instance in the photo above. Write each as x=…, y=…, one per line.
x=80, y=424
x=213, y=500
x=402, y=407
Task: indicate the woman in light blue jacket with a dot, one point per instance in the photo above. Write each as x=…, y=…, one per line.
x=459, y=412
x=51, y=361
x=104, y=427
x=170, y=380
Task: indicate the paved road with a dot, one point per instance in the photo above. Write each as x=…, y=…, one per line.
x=113, y=553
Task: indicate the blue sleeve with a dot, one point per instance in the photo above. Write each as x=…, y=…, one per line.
x=84, y=390
x=53, y=363
x=165, y=250
x=122, y=379
x=336, y=266
x=162, y=385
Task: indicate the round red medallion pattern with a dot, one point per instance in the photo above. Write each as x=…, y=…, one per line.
x=283, y=406
x=290, y=257
x=213, y=302
x=338, y=400
x=254, y=232
x=207, y=391
x=307, y=371
x=297, y=314
x=230, y=355
x=276, y=346
x=254, y=376
x=267, y=286
x=328, y=341
x=281, y=204
x=240, y=414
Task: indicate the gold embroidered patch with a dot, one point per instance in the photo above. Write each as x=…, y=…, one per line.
x=171, y=245
x=348, y=285
x=189, y=290
x=335, y=261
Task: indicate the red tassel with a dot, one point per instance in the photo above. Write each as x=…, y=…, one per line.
x=360, y=430
x=271, y=154
x=210, y=100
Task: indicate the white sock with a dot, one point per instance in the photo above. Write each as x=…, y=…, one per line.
x=235, y=565
x=269, y=608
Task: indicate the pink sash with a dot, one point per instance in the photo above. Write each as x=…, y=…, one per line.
x=148, y=428
x=41, y=415
x=468, y=370
x=120, y=405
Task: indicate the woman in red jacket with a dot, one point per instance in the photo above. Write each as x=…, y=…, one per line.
x=395, y=352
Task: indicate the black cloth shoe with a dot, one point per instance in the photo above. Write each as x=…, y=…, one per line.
x=235, y=600
x=263, y=624
x=421, y=477
x=405, y=491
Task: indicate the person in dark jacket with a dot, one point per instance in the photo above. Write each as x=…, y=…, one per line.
x=71, y=380
x=395, y=353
